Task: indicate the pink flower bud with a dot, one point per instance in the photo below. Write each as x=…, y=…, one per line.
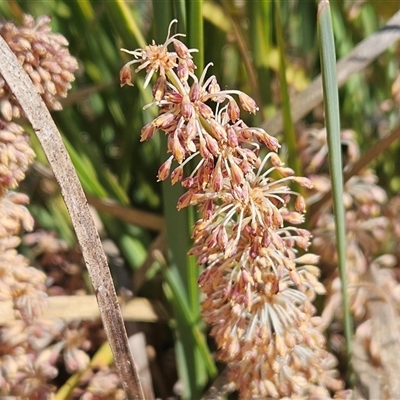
x=222, y=237
x=182, y=70
x=181, y=50
x=125, y=76
x=205, y=111
x=177, y=175
x=191, y=130
x=164, y=121
x=300, y=204
x=218, y=130
x=309, y=258
x=195, y=92
x=188, y=182
x=268, y=140
x=305, y=182
x=208, y=209
x=232, y=137
x=233, y=110
x=184, y=200
x=147, y=132
x=237, y=173
x=293, y=217
x=190, y=65
x=159, y=88
x=302, y=242
x=285, y=171
x=277, y=219
x=177, y=149
x=217, y=178
x=266, y=239
x=164, y=170
x=212, y=145
x=247, y=103
x=254, y=250
x=213, y=87
x=275, y=160
x=205, y=153
x=186, y=107
x=173, y=97
x=211, y=240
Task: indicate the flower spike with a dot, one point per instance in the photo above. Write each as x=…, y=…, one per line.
x=257, y=281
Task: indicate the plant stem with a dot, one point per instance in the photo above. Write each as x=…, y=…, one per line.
x=332, y=118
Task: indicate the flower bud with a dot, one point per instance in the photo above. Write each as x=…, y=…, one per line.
x=177, y=175
x=300, y=204
x=125, y=76
x=305, y=182
x=247, y=103
x=308, y=258
x=159, y=88
x=222, y=237
x=232, y=137
x=164, y=121
x=233, y=110
x=205, y=111
x=147, y=132
x=268, y=140
x=195, y=92
x=184, y=200
x=181, y=49
x=164, y=170
x=217, y=177
x=218, y=130
x=236, y=172
x=177, y=149
x=186, y=107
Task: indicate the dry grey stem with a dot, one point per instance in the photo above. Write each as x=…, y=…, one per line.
x=75, y=200
x=361, y=56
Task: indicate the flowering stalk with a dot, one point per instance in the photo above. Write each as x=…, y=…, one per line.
x=258, y=281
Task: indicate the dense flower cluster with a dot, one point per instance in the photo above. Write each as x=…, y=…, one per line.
x=258, y=281
x=15, y=155
x=44, y=56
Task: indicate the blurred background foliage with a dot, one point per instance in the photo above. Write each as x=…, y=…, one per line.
x=101, y=122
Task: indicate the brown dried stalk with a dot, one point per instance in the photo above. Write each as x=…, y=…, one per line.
x=361, y=56
x=75, y=200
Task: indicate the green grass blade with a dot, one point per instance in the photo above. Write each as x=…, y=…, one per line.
x=195, y=38
x=178, y=296
x=180, y=13
x=330, y=88
x=289, y=133
x=260, y=32
x=195, y=362
x=124, y=17
x=195, y=34
x=162, y=15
